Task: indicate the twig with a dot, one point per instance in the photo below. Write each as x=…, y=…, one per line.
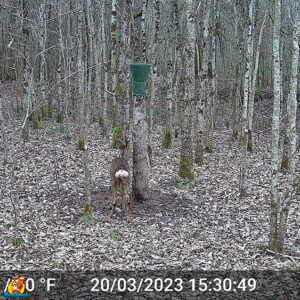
x=283, y=255
x=57, y=83
x=110, y=93
x=232, y=167
x=57, y=176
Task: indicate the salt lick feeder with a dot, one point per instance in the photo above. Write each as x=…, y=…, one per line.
x=139, y=72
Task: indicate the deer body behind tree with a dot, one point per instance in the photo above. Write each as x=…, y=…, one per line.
x=120, y=179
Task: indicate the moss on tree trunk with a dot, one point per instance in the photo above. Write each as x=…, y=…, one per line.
x=199, y=153
x=186, y=169
x=117, y=135
x=167, y=140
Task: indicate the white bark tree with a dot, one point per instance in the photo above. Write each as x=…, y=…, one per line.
x=186, y=169
x=143, y=28
x=278, y=244
x=113, y=59
x=167, y=140
x=247, y=79
x=273, y=240
x=253, y=86
x=141, y=166
x=83, y=120
x=104, y=52
x=204, y=78
x=154, y=68
x=42, y=48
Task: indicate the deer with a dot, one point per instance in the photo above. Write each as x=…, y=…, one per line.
x=120, y=178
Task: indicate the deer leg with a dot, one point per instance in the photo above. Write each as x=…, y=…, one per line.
x=128, y=206
x=122, y=191
x=113, y=202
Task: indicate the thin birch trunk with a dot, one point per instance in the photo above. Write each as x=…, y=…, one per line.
x=186, y=169
x=242, y=183
x=209, y=86
x=154, y=76
x=113, y=27
x=28, y=76
x=80, y=72
x=247, y=72
x=90, y=54
x=3, y=133
x=143, y=27
x=61, y=65
x=42, y=46
x=178, y=52
x=292, y=134
x=216, y=15
x=273, y=239
x=128, y=54
x=121, y=91
x=253, y=87
x=238, y=68
x=105, y=64
x=167, y=140
x=203, y=95
x=152, y=82
x=83, y=114
x=98, y=83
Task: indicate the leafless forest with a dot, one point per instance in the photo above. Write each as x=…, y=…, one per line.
x=207, y=175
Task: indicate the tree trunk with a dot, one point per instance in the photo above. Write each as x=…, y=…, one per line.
x=248, y=72
x=80, y=73
x=203, y=95
x=114, y=69
x=178, y=59
x=273, y=241
x=167, y=140
x=153, y=78
x=3, y=134
x=143, y=26
x=253, y=87
x=292, y=134
x=28, y=76
x=216, y=13
x=140, y=183
x=83, y=112
x=186, y=169
x=90, y=54
x=98, y=83
x=236, y=93
x=42, y=48
x=105, y=64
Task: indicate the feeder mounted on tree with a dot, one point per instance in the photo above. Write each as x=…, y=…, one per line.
x=139, y=72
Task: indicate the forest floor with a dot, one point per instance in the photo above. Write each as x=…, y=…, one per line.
x=191, y=225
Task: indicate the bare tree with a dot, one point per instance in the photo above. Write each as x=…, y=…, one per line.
x=204, y=92
x=277, y=242
x=253, y=86
x=186, y=169
x=273, y=241
x=248, y=72
x=141, y=166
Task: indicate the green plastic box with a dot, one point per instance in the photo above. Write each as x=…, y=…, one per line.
x=139, y=72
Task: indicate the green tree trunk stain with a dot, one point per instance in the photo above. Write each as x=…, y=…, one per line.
x=167, y=140
x=186, y=169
